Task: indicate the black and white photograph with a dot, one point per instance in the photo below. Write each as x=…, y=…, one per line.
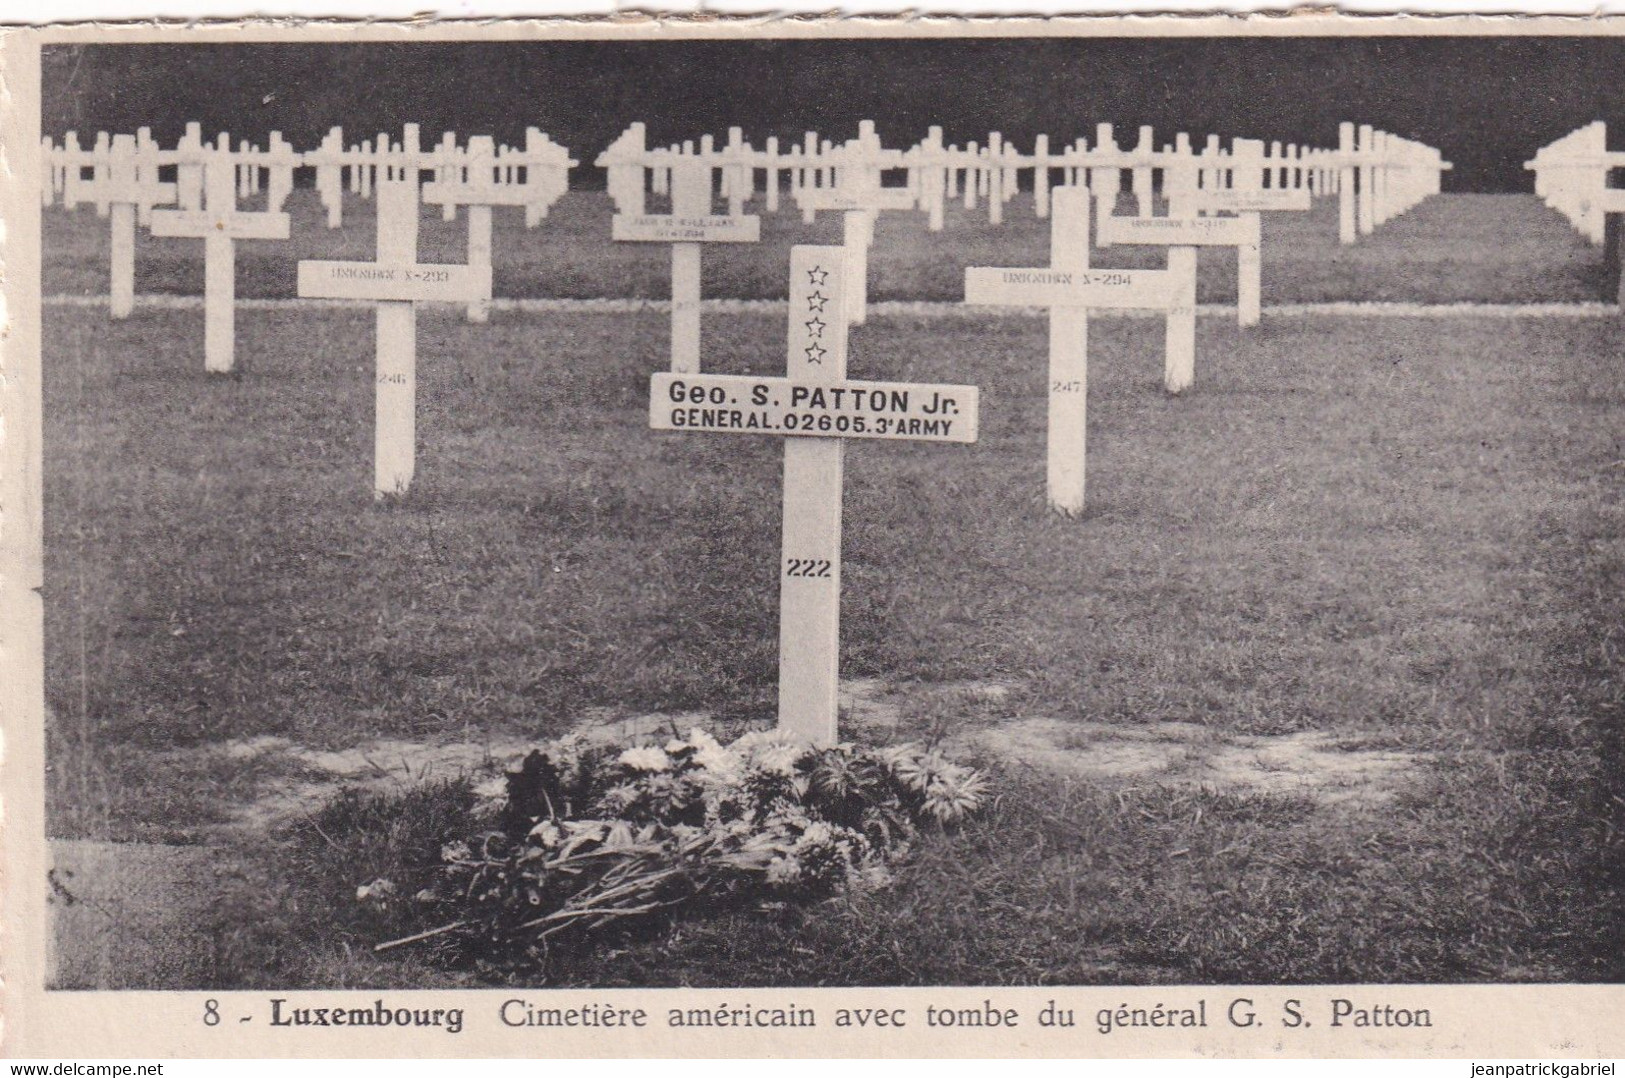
x=826, y=507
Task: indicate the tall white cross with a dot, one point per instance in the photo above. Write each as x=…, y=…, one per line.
x=1069, y=288
x=129, y=186
x=219, y=224
x=689, y=225
x=815, y=408
x=397, y=281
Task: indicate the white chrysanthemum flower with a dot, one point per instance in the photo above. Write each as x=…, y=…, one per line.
x=702, y=740
x=753, y=744
x=719, y=770
x=919, y=772
x=712, y=756
x=892, y=755
x=645, y=758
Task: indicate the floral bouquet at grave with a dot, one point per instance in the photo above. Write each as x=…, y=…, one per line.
x=595, y=835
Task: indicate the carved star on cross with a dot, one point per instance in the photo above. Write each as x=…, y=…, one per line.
x=815, y=354
x=816, y=301
x=817, y=276
x=815, y=326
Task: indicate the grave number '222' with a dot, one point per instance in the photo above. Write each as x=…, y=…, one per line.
x=807, y=567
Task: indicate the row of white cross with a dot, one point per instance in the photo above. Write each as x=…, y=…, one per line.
x=814, y=407
x=120, y=176
x=1376, y=175
x=855, y=187
x=1572, y=174
x=478, y=172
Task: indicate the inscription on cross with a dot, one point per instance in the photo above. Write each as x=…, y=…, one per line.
x=220, y=225
x=689, y=225
x=1070, y=289
x=397, y=281
x=816, y=408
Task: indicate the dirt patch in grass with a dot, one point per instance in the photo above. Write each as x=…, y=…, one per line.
x=1329, y=769
x=1310, y=764
x=302, y=779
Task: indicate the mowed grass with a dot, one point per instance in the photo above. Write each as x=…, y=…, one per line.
x=1450, y=249
x=1405, y=532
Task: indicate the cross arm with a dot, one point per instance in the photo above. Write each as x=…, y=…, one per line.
x=196, y=224
x=1240, y=231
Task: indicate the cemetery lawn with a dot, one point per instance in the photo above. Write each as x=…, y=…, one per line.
x=1392, y=546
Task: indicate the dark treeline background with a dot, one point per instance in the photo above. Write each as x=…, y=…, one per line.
x=1487, y=103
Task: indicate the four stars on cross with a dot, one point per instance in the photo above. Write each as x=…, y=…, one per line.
x=817, y=276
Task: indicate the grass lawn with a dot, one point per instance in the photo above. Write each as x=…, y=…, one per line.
x=1399, y=535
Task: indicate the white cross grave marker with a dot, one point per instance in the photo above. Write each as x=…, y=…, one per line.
x=130, y=188
x=219, y=224
x=1249, y=256
x=689, y=225
x=815, y=408
x=1069, y=289
x=397, y=281
x=1247, y=196
x=1182, y=235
